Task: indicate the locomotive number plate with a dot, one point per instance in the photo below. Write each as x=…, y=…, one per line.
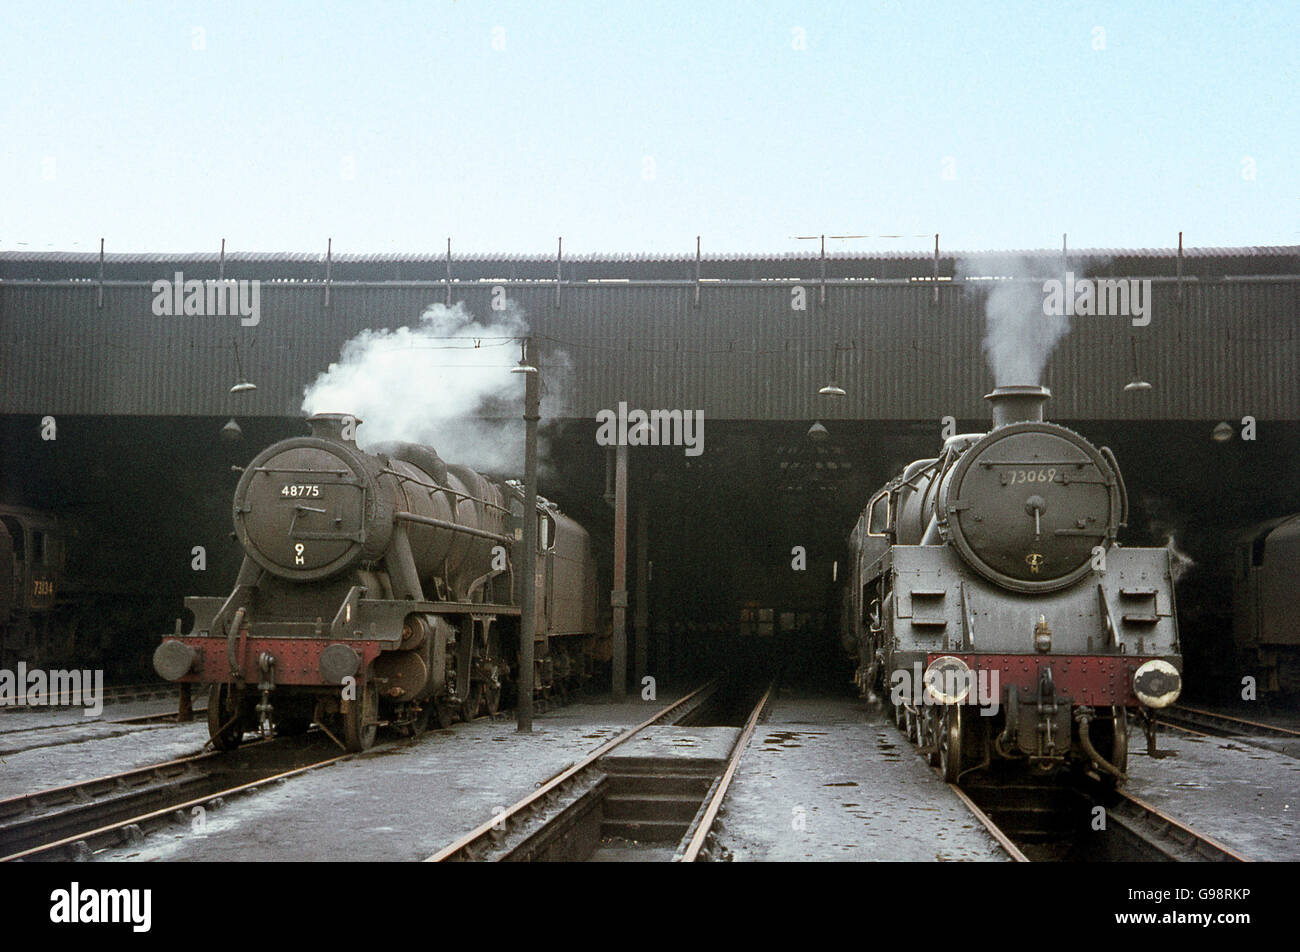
x=42, y=586
x=299, y=490
x=1029, y=476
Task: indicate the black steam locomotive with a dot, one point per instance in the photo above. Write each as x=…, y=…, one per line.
x=377, y=588
x=990, y=602
x=31, y=579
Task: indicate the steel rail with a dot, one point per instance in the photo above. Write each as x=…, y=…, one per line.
x=1154, y=824
x=165, y=811
x=1167, y=722
x=23, y=816
x=692, y=851
x=85, y=790
x=464, y=847
x=113, y=694
x=1201, y=842
x=994, y=830
x=160, y=717
x=1228, y=721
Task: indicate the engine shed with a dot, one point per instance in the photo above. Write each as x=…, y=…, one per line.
x=816, y=377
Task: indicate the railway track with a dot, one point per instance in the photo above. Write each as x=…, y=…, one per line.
x=1008, y=846
x=163, y=717
x=115, y=694
x=1079, y=818
x=1195, y=720
x=629, y=798
x=73, y=821
x=700, y=841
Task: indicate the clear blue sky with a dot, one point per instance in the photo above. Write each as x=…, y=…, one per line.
x=632, y=127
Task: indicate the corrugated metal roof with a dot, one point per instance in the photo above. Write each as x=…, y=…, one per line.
x=1228, y=349
x=1245, y=251
x=1205, y=263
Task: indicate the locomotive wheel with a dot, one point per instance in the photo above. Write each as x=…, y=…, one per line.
x=469, y=707
x=417, y=720
x=225, y=718
x=1119, y=739
x=361, y=720
x=420, y=723
x=492, y=698
x=444, y=712
x=950, y=743
x=932, y=727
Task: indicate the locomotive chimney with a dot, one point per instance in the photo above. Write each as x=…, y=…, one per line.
x=1019, y=404
x=340, y=427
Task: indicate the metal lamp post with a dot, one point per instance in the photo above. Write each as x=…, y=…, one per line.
x=528, y=610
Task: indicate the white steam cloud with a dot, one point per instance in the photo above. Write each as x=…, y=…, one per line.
x=1165, y=522
x=444, y=382
x=1018, y=336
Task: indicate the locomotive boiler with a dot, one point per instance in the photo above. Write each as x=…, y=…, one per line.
x=377, y=588
x=991, y=604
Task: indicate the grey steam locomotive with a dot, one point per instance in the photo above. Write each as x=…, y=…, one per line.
x=1266, y=604
x=377, y=588
x=990, y=602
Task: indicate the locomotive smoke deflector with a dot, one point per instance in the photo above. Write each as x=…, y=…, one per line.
x=1019, y=404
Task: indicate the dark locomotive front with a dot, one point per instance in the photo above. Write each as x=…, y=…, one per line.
x=1266, y=603
x=31, y=574
x=994, y=609
x=377, y=588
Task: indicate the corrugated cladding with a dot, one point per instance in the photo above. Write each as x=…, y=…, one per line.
x=1229, y=348
x=800, y=265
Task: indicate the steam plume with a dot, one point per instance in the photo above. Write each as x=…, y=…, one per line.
x=1018, y=336
x=444, y=382
x=1166, y=522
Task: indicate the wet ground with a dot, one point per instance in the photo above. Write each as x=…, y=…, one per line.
x=828, y=778
x=1246, y=797
x=823, y=778
x=401, y=804
x=50, y=747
